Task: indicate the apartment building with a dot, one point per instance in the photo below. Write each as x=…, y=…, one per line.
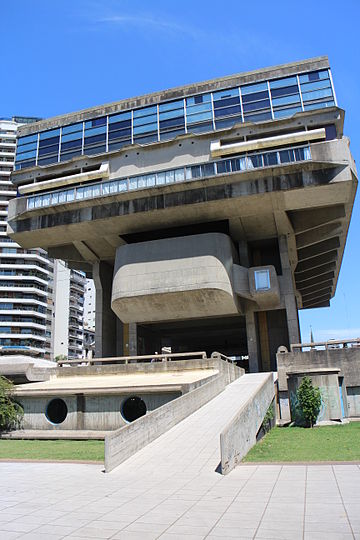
x=25, y=275
x=68, y=314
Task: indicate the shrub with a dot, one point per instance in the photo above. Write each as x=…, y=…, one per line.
x=309, y=401
x=268, y=418
x=11, y=413
x=61, y=358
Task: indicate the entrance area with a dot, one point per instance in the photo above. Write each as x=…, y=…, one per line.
x=224, y=334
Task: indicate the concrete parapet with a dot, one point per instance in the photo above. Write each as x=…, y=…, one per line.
x=240, y=434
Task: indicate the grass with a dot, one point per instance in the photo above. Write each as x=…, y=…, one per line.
x=58, y=450
x=327, y=443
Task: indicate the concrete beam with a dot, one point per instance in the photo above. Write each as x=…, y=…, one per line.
x=305, y=220
x=317, y=249
x=87, y=253
x=319, y=234
x=318, y=280
x=314, y=294
x=320, y=260
x=315, y=302
x=318, y=271
x=314, y=288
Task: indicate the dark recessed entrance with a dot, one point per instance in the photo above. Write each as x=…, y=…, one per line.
x=132, y=408
x=224, y=334
x=56, y=411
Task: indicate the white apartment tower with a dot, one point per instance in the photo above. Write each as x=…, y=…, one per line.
x=25, y=275
x=68, y=323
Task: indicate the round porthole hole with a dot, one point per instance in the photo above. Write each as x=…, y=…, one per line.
x=132, y=408
x=56, y=411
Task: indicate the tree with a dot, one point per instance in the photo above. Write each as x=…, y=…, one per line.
x=309, y=401
x=11, y=413
x=61, y=358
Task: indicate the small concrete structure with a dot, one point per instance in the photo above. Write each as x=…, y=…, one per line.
x=327, y=380
x=335, y=370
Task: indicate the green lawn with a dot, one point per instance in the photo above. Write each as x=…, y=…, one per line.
x=327, y=443
x=57, y=450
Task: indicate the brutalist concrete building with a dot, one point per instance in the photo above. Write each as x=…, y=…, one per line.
x=207, y=215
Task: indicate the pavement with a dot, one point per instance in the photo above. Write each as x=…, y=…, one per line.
x=171, y=490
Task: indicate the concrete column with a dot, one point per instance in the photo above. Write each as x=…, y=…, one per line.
x=244, y=253
x=252, y=342
x=108, y=331
x=133, y=339
x=289, y=293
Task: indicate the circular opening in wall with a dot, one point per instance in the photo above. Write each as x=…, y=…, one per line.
x=132, y=408
x=56, y=411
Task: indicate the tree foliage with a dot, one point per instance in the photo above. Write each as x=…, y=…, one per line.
x=309, y=401
x=11, y=413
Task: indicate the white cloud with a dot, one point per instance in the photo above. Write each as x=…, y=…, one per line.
x=147, y=21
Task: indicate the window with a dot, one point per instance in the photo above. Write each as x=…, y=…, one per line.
x=262, y=280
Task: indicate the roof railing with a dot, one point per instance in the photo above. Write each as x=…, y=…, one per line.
x=330, y=344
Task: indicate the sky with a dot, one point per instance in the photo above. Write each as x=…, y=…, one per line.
x=64, y=55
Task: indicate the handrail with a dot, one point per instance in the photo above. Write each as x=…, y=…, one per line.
x=217, y=354
x=327, y=344
x=135, y=359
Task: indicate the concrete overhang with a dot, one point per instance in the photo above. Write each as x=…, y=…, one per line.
x=218, y=148
x=102, y=172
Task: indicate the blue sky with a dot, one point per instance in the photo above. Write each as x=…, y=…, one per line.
x=61, y=56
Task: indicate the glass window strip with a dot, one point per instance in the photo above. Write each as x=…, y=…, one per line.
x=191, y=172
x=188, y=107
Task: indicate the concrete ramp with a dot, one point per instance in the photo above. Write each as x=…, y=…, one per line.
x=194, y=443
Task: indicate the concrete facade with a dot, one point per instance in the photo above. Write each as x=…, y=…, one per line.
x=205, y=236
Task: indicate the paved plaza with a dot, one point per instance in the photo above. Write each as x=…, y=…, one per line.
x=141, y=500
x=171, y=489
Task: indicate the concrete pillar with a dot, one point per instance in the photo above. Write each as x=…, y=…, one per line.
x=289, y=293
x=133, y=339
x=244, y=253
x=108, y=331
x=252, y=342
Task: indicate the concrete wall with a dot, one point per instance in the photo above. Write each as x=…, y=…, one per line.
x=240, y=434
x=125, y=442
x=99, y=413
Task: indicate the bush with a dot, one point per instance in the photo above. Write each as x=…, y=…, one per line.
x=268, y=418
x=11, y=413
x=61, y=358
x=309, y=401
